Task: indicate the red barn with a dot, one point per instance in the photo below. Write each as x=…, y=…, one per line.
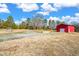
x=65, y=28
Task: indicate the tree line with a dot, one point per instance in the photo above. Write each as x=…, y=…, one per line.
x=9, y=23
x=37, y=22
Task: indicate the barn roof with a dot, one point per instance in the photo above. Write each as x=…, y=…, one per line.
x=65, y=25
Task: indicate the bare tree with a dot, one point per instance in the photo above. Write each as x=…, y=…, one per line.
x=37, y=21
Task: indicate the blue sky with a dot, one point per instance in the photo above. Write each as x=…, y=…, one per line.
x=21, y=11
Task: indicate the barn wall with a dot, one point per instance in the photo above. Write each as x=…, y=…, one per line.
x=72, y=29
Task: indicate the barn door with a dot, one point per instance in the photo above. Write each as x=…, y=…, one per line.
x=61, y=30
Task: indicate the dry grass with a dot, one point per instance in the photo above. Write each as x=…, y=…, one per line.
x=4, y=31
x=45, y=44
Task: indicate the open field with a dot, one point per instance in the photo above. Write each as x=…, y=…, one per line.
x=28, y=42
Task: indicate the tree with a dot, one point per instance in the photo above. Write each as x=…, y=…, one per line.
x=45, y=20
x=28, y=20
x=58, y=22
x=1, y=23
x=62, y=22
x=37, y=21
x=52, y=24
x=25, y=24
x=22, y=25
x=28, y=23
x=45, y=27
x=9, y=23
x=77, y=28
x=15, y=26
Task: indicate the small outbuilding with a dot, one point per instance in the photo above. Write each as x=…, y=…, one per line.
x=65, y=28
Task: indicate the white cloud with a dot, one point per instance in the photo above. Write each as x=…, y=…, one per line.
x=56, y=5
x=46, y=9
x=69, y=19
x=66, y=19
x=17, y=22
x=43, y=13
x=4, y=8
x=66, y=3
x=77, y=14
x=23, y=19
x=28, y=7
x=53, y=18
